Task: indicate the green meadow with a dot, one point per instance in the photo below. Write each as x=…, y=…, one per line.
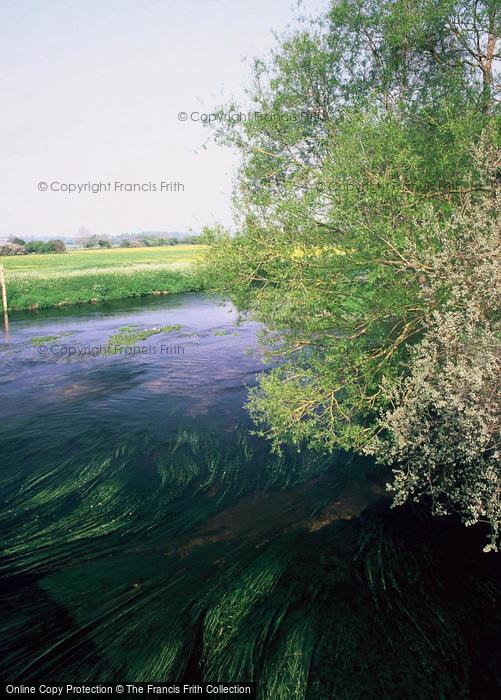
x=90, y=276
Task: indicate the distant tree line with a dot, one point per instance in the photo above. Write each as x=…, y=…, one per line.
x=150, y=241
x=18, y=246
x=139, y=240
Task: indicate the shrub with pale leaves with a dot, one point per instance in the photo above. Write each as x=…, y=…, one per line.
x=442, y=430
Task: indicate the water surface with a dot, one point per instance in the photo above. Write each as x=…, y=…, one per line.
x=148, y=535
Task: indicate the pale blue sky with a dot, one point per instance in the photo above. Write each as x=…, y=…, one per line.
x=90, y=90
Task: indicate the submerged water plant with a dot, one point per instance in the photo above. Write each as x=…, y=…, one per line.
x=167, y=558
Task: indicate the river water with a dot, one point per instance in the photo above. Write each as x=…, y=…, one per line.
x=148, y=535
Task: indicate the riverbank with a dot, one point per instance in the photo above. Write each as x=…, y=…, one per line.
x=91, y=276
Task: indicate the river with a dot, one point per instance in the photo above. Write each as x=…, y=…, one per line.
x=149, y=535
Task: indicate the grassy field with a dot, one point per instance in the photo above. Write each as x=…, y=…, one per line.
x=36, y=281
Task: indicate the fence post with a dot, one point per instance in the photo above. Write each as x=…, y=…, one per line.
x=3, y=285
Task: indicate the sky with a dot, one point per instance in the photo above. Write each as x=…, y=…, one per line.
x=91, y=92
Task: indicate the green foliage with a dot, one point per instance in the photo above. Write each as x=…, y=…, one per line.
x=153, y=241
x=367, y=134
x=55, y=245
x=17, y=246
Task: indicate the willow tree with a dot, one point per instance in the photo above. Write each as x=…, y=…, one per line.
x=369, y=127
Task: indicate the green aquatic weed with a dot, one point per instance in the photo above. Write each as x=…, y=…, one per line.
x=128, y=335
x=41, y=340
